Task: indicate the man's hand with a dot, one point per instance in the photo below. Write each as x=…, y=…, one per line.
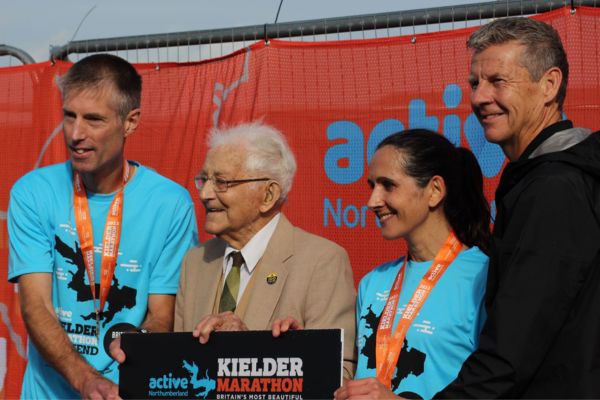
x=94, y=386
x=368, y=388
x=115, y=350
x=226, y=321
x=159, y=318
x=283, y=325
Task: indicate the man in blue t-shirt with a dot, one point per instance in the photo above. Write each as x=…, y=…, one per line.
x=96, y=242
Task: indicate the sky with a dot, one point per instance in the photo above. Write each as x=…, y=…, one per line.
x=35, y=25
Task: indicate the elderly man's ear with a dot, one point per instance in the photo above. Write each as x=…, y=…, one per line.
x=271, y=197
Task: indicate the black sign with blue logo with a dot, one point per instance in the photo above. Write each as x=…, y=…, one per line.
x=251, y=365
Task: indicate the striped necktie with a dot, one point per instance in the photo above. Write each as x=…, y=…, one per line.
x=228, y=300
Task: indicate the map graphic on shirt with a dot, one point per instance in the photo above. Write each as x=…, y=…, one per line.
x=118, y=298
x=410, y=361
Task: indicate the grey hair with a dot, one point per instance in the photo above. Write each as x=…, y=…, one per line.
x=267, y=151
x=543, y=46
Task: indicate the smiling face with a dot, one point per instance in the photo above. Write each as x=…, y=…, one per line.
x=234, y=215
x=511, y=107
x=403, y=208
x=95, y=136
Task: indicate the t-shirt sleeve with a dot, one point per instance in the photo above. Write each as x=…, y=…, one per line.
x=30, y=246
x=182, y=235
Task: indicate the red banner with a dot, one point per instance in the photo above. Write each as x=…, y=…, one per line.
x=335, y=101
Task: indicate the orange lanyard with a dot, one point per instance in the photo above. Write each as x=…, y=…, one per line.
x=388, y=348
x=110, y=244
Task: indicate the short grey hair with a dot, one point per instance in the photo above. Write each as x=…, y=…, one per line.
x=543, y=47
x=267, y=151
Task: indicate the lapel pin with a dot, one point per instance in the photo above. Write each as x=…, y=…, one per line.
x=271, y=278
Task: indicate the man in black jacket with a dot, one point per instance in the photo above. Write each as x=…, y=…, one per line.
x=542, y=336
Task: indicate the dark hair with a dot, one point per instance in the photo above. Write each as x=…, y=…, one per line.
x=543, y=47
x=101, y=69
x=427, y=154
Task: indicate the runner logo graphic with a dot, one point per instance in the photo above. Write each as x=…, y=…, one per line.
x=202, y=386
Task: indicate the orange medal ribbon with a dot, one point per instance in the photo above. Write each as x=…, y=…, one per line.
x=388, y=348
x=110, y=244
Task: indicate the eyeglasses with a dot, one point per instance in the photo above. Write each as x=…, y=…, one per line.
x=221, y=185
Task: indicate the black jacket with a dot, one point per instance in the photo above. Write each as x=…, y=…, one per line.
x=542, y=336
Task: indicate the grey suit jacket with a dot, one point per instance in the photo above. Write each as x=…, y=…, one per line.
x=314, y=285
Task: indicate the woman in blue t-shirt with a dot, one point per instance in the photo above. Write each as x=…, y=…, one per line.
x=429, y=193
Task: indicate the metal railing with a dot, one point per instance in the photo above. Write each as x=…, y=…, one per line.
x=19, y=54
x=205, y=44
x=372, y=25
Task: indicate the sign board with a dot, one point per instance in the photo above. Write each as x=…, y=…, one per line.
x=250, y=365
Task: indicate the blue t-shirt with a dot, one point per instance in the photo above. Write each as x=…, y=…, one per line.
x=158, y=227
x=444, y=333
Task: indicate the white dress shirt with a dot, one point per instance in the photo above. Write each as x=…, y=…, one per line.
x=252, y=253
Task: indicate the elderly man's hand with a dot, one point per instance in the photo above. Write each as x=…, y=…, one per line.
x=283, y=325
x=368, y=388
x=226, y=321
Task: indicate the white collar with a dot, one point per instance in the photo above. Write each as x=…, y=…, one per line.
x=255, y=248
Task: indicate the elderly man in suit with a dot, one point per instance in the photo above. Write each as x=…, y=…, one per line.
x=260, y=269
